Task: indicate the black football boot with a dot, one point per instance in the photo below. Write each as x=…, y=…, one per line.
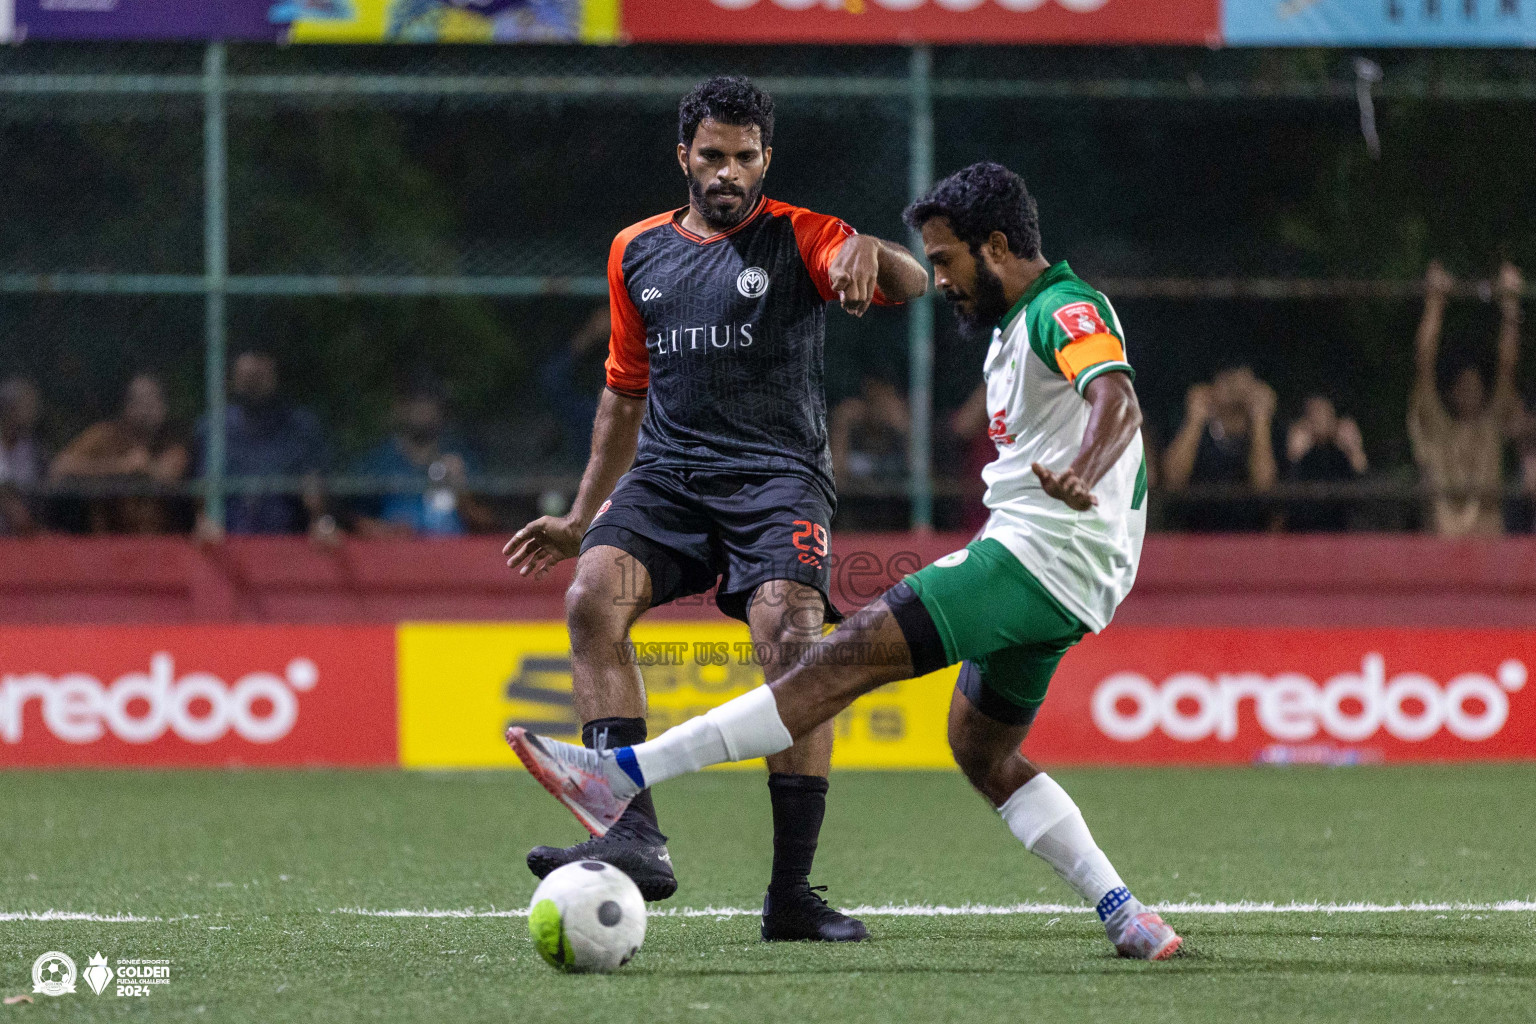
x=644, y=860
x=799, y=915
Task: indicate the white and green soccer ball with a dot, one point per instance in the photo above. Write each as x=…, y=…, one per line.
x=587, y=917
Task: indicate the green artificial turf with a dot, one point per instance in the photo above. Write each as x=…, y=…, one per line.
x=250, y=874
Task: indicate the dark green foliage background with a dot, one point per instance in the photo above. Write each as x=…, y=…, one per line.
x=530, y=185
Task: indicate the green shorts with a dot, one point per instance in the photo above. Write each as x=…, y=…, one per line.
x=991, y=611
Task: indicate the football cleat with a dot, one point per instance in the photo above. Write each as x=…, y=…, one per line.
x=1145, y=936
x=648, y=865
x=573, y=775
x=800, y=915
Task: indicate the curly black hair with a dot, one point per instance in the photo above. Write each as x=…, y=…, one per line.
x=729, y=99
x=979, y=200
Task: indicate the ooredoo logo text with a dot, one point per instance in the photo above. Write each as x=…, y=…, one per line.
x=955, y=6
x=143, y=706
x=1291, y=707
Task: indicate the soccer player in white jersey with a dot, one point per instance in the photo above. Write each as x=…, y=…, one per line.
x=1058, y=554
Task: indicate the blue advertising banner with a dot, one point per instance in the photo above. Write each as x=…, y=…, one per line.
x=1379, y=22
x=144, y=19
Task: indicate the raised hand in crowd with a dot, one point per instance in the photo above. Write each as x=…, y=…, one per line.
x=1321, y=426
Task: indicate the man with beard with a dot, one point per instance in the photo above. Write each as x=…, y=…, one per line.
x=714, y=393
x=1057, y=555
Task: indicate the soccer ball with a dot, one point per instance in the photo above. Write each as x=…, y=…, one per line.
x=587, y=916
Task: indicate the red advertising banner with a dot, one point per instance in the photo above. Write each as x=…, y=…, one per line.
x=268, y=695
x=1327, y=696
x=934, y=21
x=191, y=696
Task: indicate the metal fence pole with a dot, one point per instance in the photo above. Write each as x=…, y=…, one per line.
x=920, y=315
x=215, y=277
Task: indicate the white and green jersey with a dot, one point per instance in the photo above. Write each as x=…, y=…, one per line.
x=1058, y=337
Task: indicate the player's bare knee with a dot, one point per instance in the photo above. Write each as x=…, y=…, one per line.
x=862, y=653
x=975, y=762
x=787, y=647
x=982, y=758
x=785, y=622
x=591, y=615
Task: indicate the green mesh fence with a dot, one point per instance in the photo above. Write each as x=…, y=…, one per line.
x=446, y=211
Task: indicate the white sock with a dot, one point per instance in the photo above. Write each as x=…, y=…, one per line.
x=1046, y=820
x=746, y=727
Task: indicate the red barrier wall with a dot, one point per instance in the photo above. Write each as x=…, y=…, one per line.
x=1358, y=580
x=1231, y=649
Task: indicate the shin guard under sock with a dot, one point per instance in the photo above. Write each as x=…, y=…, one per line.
x=799, y=805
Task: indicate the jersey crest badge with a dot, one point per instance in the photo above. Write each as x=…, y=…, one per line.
x=1080, y=320
x=752, y=282
x=997, y=430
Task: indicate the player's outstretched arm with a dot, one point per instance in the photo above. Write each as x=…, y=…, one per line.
x=1113, y=420
x=535, y=548
x=866, y=263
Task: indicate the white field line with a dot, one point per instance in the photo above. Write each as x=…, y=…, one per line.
x=67, y=915
x=883, y=910
x=1018, y=909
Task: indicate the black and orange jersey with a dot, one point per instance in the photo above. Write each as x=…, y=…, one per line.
x=724, y=337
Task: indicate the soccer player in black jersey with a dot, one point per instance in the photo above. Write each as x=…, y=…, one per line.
x=710, y=464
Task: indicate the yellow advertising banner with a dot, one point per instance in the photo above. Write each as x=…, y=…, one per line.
x=462, y=685
x=448, y=21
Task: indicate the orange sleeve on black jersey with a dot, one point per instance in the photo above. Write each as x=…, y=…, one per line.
x=819, y=237
x=629, y=364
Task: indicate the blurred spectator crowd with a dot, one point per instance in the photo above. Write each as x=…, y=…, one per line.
x=128, y=474
x=1234, y=463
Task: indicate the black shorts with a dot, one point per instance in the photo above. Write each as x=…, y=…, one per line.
x=690, y=529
